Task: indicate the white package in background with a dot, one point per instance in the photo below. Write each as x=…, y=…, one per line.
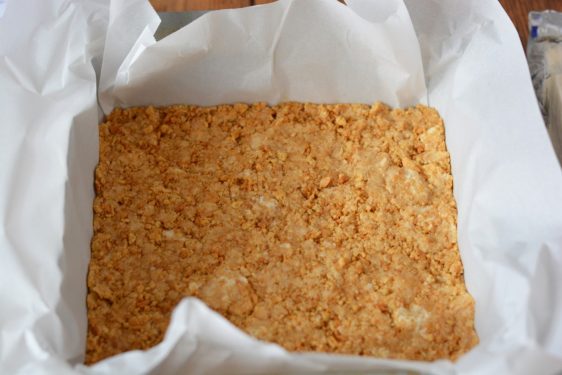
x=464, y=59
x=544, y=52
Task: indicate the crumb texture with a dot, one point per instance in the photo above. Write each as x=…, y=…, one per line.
x=318, y=227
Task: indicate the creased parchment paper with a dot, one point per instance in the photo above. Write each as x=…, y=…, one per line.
x=58, y=57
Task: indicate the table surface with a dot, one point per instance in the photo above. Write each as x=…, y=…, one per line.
x=517, y=9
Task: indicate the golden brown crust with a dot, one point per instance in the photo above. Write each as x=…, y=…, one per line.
x=318, y=227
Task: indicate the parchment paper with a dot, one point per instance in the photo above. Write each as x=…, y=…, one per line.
x=464, y=58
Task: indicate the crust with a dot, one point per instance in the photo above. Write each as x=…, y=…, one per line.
x=318, y=227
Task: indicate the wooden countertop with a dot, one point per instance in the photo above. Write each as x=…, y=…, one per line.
x=517, y=9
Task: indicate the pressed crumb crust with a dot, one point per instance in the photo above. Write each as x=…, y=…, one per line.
x=318, y=227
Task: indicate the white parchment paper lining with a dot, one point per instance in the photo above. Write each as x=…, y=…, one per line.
x=464, y=58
